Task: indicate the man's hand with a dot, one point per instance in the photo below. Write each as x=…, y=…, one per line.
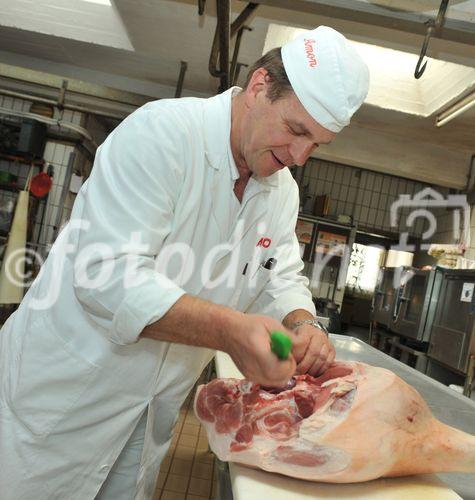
x=312, y=350
x=248, y=344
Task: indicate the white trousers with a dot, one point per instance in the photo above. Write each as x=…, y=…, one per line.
x=121, y=482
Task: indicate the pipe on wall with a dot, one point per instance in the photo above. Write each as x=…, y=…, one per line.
x=51, y=121
x=72, y=107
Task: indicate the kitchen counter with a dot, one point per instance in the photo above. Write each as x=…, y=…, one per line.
x=447, y=405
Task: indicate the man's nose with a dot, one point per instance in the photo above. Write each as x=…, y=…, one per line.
x=300, y=149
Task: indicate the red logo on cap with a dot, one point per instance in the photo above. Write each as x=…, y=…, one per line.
x=308, y=43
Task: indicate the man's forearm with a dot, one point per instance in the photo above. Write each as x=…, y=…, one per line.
x=193, y=321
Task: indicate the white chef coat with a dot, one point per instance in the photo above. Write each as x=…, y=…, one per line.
x=75, y=378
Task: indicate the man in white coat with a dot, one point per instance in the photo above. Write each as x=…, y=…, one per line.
x=181, y=243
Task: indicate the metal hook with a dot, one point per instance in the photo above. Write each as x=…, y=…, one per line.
x=419, y=71
x=431, y=27
x=222, y=36
x=420, y=68
x=201, y=7
x=181, y=78
x=234, y=72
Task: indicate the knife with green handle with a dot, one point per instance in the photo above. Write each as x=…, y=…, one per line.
x=280, y=344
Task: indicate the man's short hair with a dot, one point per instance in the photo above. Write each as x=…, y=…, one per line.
x=279, y=85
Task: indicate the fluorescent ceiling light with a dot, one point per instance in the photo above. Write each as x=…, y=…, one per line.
x=392, y=82
x=455, y=110
x=101, y=2
x=91, y=21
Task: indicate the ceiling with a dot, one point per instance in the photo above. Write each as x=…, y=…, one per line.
x=165, y=32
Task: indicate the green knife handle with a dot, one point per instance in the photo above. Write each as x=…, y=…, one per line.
x=280, y=344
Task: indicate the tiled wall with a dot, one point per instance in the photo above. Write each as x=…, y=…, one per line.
x=446, y=234
x=366, y=196
x=56, y=154
x=445, y=227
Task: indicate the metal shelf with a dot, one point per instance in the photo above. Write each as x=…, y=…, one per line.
x=10, y=186
x=22, y=159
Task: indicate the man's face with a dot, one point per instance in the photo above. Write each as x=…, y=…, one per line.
x=279, y=134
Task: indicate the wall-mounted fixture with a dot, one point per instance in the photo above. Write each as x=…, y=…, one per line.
x=455, y=110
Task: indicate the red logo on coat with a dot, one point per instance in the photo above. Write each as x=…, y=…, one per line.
x=264, y=242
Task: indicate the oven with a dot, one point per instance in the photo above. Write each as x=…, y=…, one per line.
x=415, y=302
x=383, y=299
x=453, y=331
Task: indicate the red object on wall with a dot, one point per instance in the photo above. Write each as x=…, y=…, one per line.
x=41, y=184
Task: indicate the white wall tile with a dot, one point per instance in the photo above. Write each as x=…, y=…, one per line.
x=322, y=171
x=57, y=196
x=348, y=207
x=370, y=181
x=8, y=102
x=335, y=208
x=67, y=115
x=375, y=199
x=338, y=175
x=346, y=175
x=393, y=187
x=350, y=188
x=319, y=187
x=335, y=191
x=60, y=173
x=380, y=219
x=344, y=192
x=402, y=186
x=312, y=185
x=17, y=105
x=49, y=151
x=366, y=198
x=58, y=154
x=383, y=201
x=50, y=232
x=372, y=217
x=378, y=182
x=78, y=118
x=391, y=200
x=352, y=192
x=363, y=218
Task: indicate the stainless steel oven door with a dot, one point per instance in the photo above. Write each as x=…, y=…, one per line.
x=413, y=304
x=383, y=300
x=452, y=337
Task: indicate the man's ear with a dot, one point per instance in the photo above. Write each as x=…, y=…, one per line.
x=257, y=84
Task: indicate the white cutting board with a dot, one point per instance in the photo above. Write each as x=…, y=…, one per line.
x=252, y=484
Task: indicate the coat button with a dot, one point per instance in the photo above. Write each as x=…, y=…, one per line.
x=105, y=468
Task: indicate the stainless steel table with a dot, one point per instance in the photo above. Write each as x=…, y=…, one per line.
x=447, y=405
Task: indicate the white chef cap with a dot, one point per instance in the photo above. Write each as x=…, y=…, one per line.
x=327, y=74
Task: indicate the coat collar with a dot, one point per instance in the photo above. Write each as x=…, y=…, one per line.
x=217, y=130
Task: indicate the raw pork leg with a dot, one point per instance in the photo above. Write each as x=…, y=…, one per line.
x=354, y=423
